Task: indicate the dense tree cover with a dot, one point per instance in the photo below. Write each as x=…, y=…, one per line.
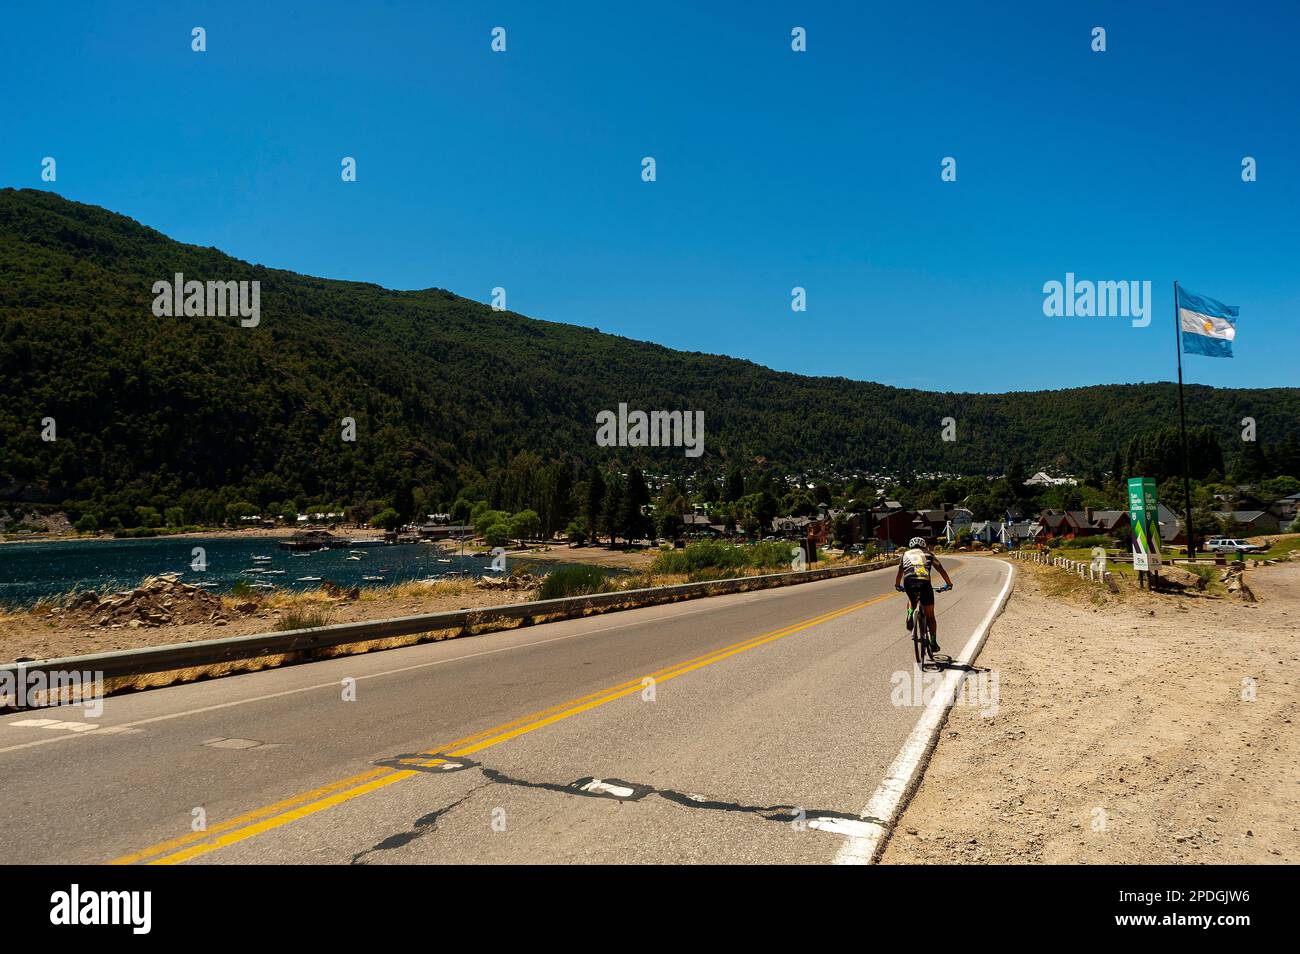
x=1159, y=453
x=200, y=420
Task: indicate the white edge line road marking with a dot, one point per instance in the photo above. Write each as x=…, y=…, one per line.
x=865, y=840
x=386, y=672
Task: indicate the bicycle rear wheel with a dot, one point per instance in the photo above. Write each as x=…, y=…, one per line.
x=920, y=635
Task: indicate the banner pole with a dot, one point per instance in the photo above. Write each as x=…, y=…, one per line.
x=1182, y=419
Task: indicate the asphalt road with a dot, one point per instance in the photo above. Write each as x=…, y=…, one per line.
x=716, y=726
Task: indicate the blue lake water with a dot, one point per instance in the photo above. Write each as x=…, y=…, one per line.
x=29, y=571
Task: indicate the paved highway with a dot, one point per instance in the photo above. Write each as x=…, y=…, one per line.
x=705, y=731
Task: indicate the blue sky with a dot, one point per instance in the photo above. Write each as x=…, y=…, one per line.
x=775, y=168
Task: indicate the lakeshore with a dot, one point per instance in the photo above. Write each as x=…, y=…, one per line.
x=50, y=570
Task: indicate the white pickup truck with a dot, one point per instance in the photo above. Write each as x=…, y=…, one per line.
x=1228, y=544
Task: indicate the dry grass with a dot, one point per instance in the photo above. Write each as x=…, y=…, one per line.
x=289, y=600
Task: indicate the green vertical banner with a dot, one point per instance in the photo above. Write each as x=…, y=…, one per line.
x=1144, y=516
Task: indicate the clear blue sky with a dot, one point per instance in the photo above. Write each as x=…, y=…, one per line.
x=775, y=169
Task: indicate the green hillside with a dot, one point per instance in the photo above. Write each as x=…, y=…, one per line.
x=444, y=391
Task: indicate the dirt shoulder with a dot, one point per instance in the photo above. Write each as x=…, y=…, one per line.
x=1121, y=734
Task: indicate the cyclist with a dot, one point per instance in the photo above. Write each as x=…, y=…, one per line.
x=914, y=579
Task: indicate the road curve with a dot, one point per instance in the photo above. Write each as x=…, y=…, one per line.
x=715, y=728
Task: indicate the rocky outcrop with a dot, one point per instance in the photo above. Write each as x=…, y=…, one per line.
x=158, y=601
x=516, y=581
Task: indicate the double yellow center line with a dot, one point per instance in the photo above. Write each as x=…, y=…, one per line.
x=269, y=817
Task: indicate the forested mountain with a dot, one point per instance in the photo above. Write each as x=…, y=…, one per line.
x=443, y=390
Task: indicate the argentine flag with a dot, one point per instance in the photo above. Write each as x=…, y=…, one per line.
x=1208, y=326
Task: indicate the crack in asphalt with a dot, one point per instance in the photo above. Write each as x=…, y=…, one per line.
x=777, y=813
x=423, y=825
x=783, y=814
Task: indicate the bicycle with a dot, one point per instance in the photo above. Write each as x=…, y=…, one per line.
x=921, y=630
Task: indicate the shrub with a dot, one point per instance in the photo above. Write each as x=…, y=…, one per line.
x=698, y=556
x=303, y=618
x=577, y=531
x=135, y=532
x=573, y=581
x=771, y=555
x=715, y=555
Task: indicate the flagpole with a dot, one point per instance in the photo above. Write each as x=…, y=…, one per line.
x=1182, y=418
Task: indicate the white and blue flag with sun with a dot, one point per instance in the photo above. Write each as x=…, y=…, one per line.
x=1208, y=326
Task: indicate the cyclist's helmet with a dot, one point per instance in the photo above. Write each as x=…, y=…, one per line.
x=916, y=542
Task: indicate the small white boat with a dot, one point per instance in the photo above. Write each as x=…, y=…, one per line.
x=300, y=554
x=357, y=558
x=262, y=586
x=261, y=559
x=444, y=561
x=373, y=579
x=273, y=572
x=309, y=579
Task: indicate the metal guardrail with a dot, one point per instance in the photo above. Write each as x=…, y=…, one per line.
x=177, y=656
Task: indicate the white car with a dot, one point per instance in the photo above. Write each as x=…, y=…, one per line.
x=1228, y=544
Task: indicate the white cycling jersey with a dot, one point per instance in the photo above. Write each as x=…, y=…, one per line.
x=917, y=563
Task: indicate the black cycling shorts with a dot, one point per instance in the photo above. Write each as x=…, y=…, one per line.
x=919, y=590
